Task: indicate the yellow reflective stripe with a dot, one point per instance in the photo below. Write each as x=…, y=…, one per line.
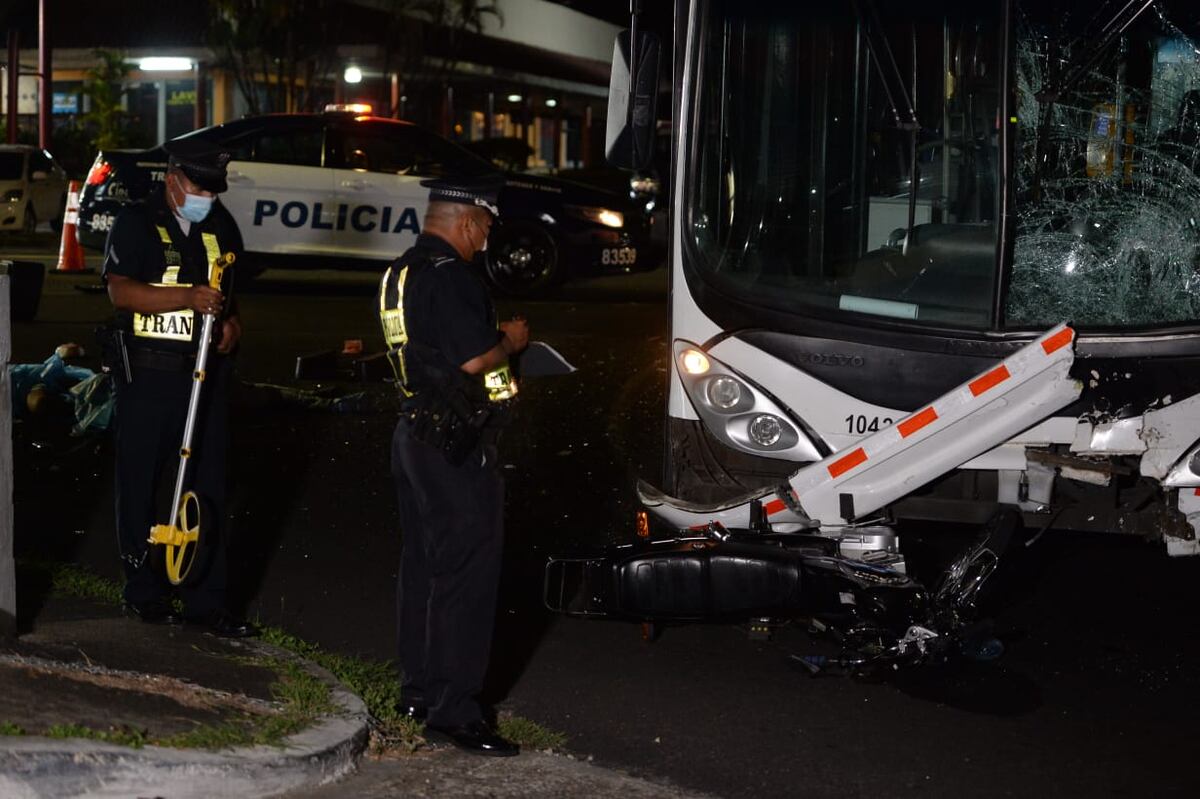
x=163, y=234
x=171, y=276
x=212, y=249
x=172, y=326
x=392, y=319
x=383, y=285
x=500, y=384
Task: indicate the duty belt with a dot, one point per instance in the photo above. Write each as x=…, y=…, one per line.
x=161, y=360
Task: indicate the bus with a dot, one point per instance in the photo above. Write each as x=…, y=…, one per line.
x=929, y=261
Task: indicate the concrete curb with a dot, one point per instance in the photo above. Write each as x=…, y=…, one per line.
x=34, y=767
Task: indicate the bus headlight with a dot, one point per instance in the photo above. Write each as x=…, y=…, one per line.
x=740, y=414
x=765, y=430
x=724, y=392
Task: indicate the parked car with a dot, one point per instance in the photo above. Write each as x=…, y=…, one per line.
x=33, y=188
x=343, y=189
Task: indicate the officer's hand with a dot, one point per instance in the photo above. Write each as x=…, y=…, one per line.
x=205, y=299
x=231, y=333
x=516, y=333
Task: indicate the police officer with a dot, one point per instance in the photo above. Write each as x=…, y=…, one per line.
x=156, y=266
x=451, y=361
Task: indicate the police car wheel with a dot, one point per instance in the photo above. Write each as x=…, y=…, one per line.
x=522, y=259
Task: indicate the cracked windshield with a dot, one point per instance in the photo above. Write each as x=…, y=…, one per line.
x=848, y=161
x=846, y=158
x=1107, y=174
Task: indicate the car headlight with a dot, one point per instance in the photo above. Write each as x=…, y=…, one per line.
x=13, y=195
x=739, y=413
x=643, y=184
x=601, y=216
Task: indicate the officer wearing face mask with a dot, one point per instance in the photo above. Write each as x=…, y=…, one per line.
x=156, y=267
x=450, y=355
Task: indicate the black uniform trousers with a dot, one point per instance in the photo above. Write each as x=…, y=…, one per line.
x=150, y=416
x=452, y=524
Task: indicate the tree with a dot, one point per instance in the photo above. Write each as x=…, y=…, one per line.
x=103, y=85
x=425, y=40
x=279, y=51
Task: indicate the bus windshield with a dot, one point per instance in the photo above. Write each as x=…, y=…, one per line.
x=845, y=157
x=1108, y=174
x=845, y=160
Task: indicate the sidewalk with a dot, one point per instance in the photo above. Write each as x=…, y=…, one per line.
x=88, y=698
x=85, y=670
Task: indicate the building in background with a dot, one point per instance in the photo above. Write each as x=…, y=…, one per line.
x=521, y=72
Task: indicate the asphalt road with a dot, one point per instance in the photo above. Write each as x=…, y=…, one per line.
x=1097, y=694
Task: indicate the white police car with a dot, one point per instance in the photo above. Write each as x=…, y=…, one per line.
x=343, y=189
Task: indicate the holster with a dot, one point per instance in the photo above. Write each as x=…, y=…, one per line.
x=114, y=354
x=449, y=413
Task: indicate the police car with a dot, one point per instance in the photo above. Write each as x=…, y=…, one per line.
x=342, y=189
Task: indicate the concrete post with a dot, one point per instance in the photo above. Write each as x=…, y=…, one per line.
x=8, y=573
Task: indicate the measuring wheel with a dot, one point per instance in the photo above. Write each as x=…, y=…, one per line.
x=182, y=538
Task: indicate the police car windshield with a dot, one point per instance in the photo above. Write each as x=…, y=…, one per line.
x=801, y=185
x=11, y=165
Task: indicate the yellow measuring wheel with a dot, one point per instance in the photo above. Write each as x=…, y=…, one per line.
x=181, y=536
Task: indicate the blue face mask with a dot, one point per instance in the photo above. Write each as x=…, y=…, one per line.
x=195, y=208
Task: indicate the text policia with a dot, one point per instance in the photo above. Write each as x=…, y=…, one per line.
x=361, y=218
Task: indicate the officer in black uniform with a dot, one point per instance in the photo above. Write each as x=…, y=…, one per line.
x=156, y=266
x=451, y=361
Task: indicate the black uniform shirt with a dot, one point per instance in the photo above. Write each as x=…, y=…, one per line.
x=446, y=302
x=135, y=250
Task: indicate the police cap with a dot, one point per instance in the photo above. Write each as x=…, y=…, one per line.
x=201, y=159
x=482, y=191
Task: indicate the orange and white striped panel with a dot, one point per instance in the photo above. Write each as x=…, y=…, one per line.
x=954, y=405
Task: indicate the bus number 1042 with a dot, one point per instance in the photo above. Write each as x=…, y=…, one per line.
x=861, y=425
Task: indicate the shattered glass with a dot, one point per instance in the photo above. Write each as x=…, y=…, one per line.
x=1107, y=202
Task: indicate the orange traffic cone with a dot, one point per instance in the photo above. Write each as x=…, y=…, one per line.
x=70, y=254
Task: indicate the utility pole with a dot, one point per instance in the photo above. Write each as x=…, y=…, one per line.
x=45, y=78
x=13, y=81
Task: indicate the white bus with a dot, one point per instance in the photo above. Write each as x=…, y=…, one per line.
x=929, y=260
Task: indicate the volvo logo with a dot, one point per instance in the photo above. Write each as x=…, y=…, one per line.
x=834, y=359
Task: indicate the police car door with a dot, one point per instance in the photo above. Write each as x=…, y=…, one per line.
x=381, y=202
x=280, y=193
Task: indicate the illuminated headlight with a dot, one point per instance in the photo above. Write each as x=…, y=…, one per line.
x=601, y=216
x=724, y=393
x=643, y=184
x=13, y=195
x=765, y=430
x=739, y=413
x=694, y=362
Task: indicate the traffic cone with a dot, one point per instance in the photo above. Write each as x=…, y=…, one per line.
x=70, y=254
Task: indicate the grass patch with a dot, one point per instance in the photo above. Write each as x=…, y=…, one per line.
x=302, y=696
x=529, y=734
x=8, y=728
x=120, y=735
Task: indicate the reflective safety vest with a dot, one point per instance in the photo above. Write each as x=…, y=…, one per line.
x=498, y=383
x=173, y=325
